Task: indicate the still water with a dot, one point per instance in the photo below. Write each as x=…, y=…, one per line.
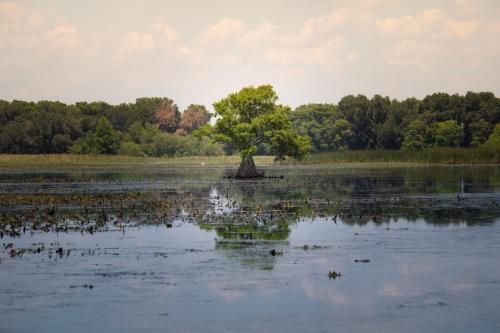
x=187, y=250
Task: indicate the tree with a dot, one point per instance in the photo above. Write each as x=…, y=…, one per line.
x=103, y=140
x=494, y=139
x=416, y=136
x=357, y=110
x=192, y=118
x=448, y=134
x=389, y=136
x=167, y=116
x=250, y=117
x=339, y=135
x=480, y=132
x=316, y=121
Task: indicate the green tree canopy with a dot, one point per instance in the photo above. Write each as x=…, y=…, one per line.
x=448, y=134
x=103, y=140
x=494, y=139
x=481, y=130
x=416, y=136
x=252, y=116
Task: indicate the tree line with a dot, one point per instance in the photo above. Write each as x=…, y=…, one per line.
x=440, y=119
x=156, y=127
x=149, y=126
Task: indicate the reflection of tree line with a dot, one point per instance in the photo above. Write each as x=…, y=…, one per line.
x=262, y=209
x=410, y=180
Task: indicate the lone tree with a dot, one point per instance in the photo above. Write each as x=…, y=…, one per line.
x=251, y=117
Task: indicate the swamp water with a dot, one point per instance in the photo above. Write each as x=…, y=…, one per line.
x=343, y=249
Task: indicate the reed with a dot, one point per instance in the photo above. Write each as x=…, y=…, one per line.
x=481, y=155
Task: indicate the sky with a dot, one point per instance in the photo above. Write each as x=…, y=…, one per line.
x=198, y=51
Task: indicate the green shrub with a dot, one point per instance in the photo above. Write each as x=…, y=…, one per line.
x=130, y=149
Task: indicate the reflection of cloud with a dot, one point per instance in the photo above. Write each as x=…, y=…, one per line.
x=228, y=294
x=408, y=289
x=232, y=289
x=413, y=269
x=327, y=295
x=462, y=286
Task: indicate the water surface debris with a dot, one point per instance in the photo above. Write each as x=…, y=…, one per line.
x=334, y=275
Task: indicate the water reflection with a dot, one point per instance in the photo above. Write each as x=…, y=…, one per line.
x=195, y=253
x=259, y=209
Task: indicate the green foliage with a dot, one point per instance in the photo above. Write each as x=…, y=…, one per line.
x=481, y=130
x=315, y=121
x=357, y=110
x=252, y=124
x=251, y=117
x=175, y=145
x=416, y=136
x=494, y=139
x=447, y=134
x=339, y=135
x=389, y=135
x=129, y=148
x=104, y=140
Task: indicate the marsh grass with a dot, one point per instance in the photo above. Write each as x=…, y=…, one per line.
x=12, y=160
x=482, y=155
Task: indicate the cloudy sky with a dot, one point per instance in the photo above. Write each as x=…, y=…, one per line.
x=198, y=51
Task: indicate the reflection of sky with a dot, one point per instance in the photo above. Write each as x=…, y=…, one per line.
x=222, y=204
x=435, y=273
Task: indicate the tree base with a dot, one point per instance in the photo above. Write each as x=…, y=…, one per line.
x=247, y=169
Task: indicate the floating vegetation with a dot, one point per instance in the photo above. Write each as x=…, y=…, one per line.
x=334, y=275
x=231, y=212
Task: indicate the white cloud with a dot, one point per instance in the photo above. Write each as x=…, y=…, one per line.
x=161, y=41
x=135, y=41
x=10, y=11
x=459, y=29
x=365, y=42
x=63, y=34
x=495, y=27
x=328, y=53
x=326, y=23
x=420, y=54
x=331, y=54
x=411, y=25
x=468, y=6
x=226, y=27
x=161, y=27
x=430, y=23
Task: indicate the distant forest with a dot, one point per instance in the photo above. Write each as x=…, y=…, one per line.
x=156, y=127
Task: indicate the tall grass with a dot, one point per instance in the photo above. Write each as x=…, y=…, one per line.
x=13, y=160
x=482, y=155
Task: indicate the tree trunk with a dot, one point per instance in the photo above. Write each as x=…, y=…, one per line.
x=247, y=169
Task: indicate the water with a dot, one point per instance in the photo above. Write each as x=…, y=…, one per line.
x=186, y=250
